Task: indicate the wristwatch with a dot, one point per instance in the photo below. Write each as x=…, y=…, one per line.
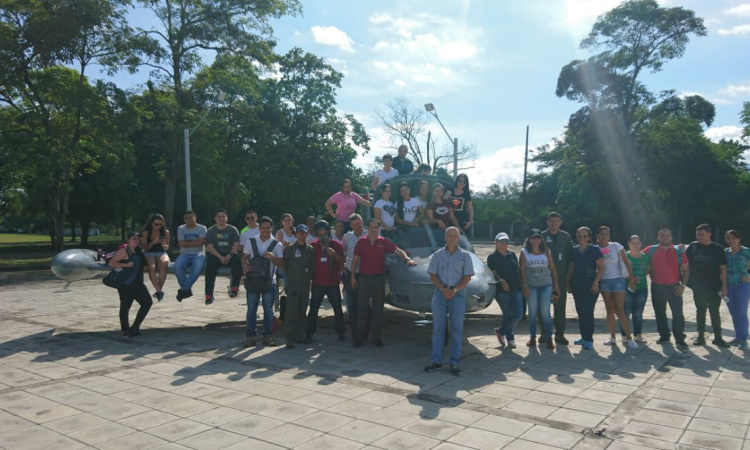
x=454, y=290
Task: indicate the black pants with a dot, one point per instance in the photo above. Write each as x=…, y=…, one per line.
x=135, y=292
x=370, y=302
x=661, y=296
x=352, y=302
x=707, y=299
x=334, y=298
x=212, y=266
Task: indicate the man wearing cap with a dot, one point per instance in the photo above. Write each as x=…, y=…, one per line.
x=329, y=257
x=504, y=265
x=369, y=257
x=450, y=271
x=298, y=266
x=560, y=244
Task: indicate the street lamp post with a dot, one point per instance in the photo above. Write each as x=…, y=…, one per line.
x=430, y=108
x=187, y=132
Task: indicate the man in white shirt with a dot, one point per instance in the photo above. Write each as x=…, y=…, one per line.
x=251, y=230
x=350, y=241
x=384, y=174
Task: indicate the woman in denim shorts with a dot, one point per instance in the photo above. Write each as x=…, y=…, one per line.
x=613, y=285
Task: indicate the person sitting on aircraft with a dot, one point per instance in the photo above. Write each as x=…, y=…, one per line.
x=423, y=169
x=384, y=174
x=440, y=210
x=409, y=210
x=385, y=210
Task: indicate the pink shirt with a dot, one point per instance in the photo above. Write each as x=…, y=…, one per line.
x=345, y=204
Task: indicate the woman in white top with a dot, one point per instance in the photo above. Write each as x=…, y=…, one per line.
x=409, y=210
x=285, y=234
x=614, y=283
x=384, y=174
x=385, y=210
x=424, y=194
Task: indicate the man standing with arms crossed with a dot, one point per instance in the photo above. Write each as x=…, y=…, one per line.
x=560, y=244
x=369, y=256
x=450, y=271
x=669, y=275
x=708, y=280
x=350, y=292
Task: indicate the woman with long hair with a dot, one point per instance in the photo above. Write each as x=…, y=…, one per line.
x=461, y=199
x=539, y=284
x=155, y=243
x=738, y=286
x=409, y=210
x=285, y=233
x=584, y=272
x=635, y=299
x=131, y=258
x=440, y=210
x=346, y=203
x=613, y=285
x=385, y=210
x=424, y=193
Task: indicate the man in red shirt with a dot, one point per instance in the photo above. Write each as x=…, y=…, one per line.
x=370, y=253
x=329, y=258
x=669, y=276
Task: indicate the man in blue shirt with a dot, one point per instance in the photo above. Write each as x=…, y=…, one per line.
x=450, y=270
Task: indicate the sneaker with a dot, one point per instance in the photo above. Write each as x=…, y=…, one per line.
x=134, y=332
x=699, y=341
x=632, y=345
x=268, y=341
x=550, y=344
x=625, y=340
x=681, y=344
x=579, y=341
x=588, y=345
x=180, y=295
x=734, y=342
x=500, y=337
x=187, y=294
x=433, y=367
x=561, y=340
x=341, y=338
x=663, y=340
x=234, y=291
x=639, y=339
x=357, y=343
x=250, y=342
x=378, y=343
x=159, y=296
x=542, y=340
x=531, y=343
x=455, y=370
x=512, y=344
x=610, y=341
x=209, y=299
x=720, y=342
x=743, y=345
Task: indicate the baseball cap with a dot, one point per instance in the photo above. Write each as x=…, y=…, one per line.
x=535, y=232
x=301, y=227
x=502, y=237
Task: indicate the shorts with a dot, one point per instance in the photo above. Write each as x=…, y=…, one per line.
x=154, y=255
x=613, y=285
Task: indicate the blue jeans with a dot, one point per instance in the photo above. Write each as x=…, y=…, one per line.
x=252, y=311
x=635, y=303
x=739, y=296
x=511, y=303
x=451, y=311
x=540, y=300
x=196, y=263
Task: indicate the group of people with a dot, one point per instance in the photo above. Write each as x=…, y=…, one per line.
x=550, y=266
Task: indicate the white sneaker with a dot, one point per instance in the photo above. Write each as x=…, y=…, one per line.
x=632, y=344
x=512, y=344
x=610, y=341
x=640, y=339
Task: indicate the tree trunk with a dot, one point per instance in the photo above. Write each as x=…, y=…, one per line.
x=58, y=214
x=72, y=231
x=85, y=229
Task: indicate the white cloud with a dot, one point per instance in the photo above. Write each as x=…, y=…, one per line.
x=736, y=30
x=333, y=36
x=503, y=166
x=735, y=89
x=742, y=10
x=716, y=134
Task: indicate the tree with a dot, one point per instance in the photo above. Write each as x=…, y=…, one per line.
x=745, y=120
x=53, y=112
x=238, y=27
x=405, y=124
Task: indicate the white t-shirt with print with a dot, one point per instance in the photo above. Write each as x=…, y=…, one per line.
x=612, y=260
x=387, y=212
x=411, y=209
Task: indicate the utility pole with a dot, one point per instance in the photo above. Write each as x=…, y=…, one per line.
x=525, y=171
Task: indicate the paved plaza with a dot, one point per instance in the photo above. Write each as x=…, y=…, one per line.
x=69, y=380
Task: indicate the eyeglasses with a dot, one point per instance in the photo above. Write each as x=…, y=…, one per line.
x=158, y=224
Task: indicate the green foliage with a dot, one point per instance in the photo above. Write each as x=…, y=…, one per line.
x=745, y=120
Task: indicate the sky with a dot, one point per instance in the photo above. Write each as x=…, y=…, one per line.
x=490, y=67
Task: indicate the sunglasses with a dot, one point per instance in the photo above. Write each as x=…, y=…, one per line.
x=158, y=224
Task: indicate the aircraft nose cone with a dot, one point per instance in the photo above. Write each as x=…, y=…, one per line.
x=73, y=265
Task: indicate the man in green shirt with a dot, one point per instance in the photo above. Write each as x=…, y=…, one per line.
x=560, y=244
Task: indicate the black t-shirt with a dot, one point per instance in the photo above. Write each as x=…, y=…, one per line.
x=460, y=206
x=507, y=267
x=404, y=168
x=704, y=262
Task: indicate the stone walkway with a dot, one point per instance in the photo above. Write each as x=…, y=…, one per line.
x=68, y=381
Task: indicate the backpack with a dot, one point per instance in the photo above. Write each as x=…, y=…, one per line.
x=258, y=280
x=652, y=250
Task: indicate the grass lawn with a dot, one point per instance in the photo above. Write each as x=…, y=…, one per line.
x=7, y=238
x=24, y=261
